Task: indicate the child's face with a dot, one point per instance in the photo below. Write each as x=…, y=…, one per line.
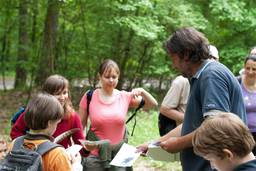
x=62, y=96
x=3, y=148
x=218, y=163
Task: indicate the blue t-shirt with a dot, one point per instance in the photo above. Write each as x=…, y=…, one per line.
x=213, y=87
x=249, y=166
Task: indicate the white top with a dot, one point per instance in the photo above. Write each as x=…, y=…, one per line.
x=177, y=96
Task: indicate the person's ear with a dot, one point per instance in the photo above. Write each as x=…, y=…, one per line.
x=228, y=154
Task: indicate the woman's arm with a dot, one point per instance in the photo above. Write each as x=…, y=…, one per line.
x=83, y=116
x=77, y=124
x=83, y=110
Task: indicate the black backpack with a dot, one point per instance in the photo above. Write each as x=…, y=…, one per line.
x=165, y=124
x=89, y=94
x=21, y=158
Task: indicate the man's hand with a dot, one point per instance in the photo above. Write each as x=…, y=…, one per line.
x=171, y=145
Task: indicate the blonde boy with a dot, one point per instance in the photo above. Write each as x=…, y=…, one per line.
x=226, y=142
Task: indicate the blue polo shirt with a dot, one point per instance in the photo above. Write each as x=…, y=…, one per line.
x=213, y=87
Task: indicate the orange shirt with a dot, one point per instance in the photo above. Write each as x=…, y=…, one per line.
x=56, y=159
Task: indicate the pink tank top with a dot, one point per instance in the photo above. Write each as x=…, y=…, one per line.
x=108, y=120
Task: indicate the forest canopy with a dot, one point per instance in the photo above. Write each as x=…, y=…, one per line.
x=71, y=37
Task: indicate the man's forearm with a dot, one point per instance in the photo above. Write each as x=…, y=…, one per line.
x=177, y=144
x=176, y=132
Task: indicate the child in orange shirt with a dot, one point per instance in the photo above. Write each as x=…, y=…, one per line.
x=43, y=114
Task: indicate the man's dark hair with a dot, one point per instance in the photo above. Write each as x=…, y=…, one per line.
x=188, y=42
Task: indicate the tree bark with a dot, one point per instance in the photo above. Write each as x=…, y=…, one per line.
x=47, y=55
x=21, y=73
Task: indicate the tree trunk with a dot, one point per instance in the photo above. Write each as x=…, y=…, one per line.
x=34, y=47
x=21, y=73
x=47, y=55
x=3, y=61
x=127, y=51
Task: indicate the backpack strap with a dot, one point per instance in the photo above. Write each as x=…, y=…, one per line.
x=42, y=148
x=46, y=146
x=89, y=98
x=142, y=103
x=18, y=142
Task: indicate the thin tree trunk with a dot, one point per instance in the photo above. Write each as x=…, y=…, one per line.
x=86, y=43
x=47, y=56
x=21, y=73
x=3, y=61
x=125, y=58
x=34, y=46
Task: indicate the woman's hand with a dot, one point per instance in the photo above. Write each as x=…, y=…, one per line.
x=136, y=92
x=143, y=148
x=150, y=101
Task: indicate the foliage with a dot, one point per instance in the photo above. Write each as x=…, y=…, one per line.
x=130, y=32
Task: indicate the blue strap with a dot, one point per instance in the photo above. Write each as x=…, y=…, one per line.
x=17, y=115
x=89, y=98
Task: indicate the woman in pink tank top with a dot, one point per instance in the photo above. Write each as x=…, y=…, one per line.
x=107, y=113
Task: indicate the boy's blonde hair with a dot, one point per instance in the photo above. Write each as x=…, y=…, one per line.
x=223, y=131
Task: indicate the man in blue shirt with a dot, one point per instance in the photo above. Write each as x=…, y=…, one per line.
x=213, y=89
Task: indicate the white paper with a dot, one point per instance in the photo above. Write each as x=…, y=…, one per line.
x=126, y=156
x=74, y=149
x=157, y=153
